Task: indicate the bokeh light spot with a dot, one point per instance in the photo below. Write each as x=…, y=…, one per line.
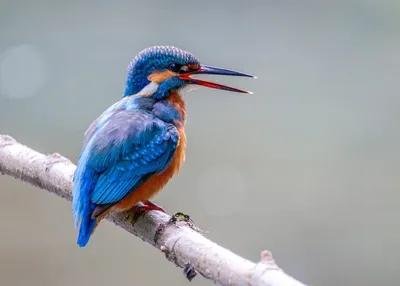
x=22, y=71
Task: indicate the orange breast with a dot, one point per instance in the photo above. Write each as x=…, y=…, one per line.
x=157, y=182
x=151, y=187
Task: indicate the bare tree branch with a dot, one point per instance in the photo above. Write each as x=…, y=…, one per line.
x=174, y=236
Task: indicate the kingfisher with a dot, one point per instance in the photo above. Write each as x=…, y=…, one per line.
x=138, y=144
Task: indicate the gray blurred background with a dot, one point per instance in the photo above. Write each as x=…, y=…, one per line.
x=307, y=167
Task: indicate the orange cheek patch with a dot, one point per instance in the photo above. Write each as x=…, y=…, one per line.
x=160, y=76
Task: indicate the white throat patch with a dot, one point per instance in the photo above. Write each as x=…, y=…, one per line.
x=149, y=89
x=152, y=87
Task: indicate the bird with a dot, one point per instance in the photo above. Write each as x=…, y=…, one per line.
x=133, y=149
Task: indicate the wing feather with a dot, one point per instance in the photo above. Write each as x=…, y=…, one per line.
x=120, y=153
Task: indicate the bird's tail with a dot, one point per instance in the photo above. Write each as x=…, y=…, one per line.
x=86, y=228
x=82, y=208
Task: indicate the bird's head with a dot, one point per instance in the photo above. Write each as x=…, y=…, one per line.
x=156, y=71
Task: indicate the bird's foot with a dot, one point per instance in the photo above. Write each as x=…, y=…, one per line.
x=143, y=207
x=150, y=206
x=146, y=206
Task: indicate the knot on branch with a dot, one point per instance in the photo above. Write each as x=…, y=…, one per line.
x=54, y=159
x=268, y=260
x=6, y=140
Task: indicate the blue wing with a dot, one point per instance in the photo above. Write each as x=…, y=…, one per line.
x=121, y=151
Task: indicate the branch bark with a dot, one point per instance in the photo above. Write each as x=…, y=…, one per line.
x=175, y=236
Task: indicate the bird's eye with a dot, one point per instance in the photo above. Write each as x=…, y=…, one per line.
x=175, y=67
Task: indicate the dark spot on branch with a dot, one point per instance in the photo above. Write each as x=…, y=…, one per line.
x=159, y=232
x=136, y=214
x=181, y=217
x=189, y=271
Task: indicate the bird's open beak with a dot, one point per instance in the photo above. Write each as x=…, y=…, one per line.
x=213, y=70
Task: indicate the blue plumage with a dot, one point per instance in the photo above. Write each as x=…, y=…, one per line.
x=124, y=147
x=138, y=136
x=156, y=58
